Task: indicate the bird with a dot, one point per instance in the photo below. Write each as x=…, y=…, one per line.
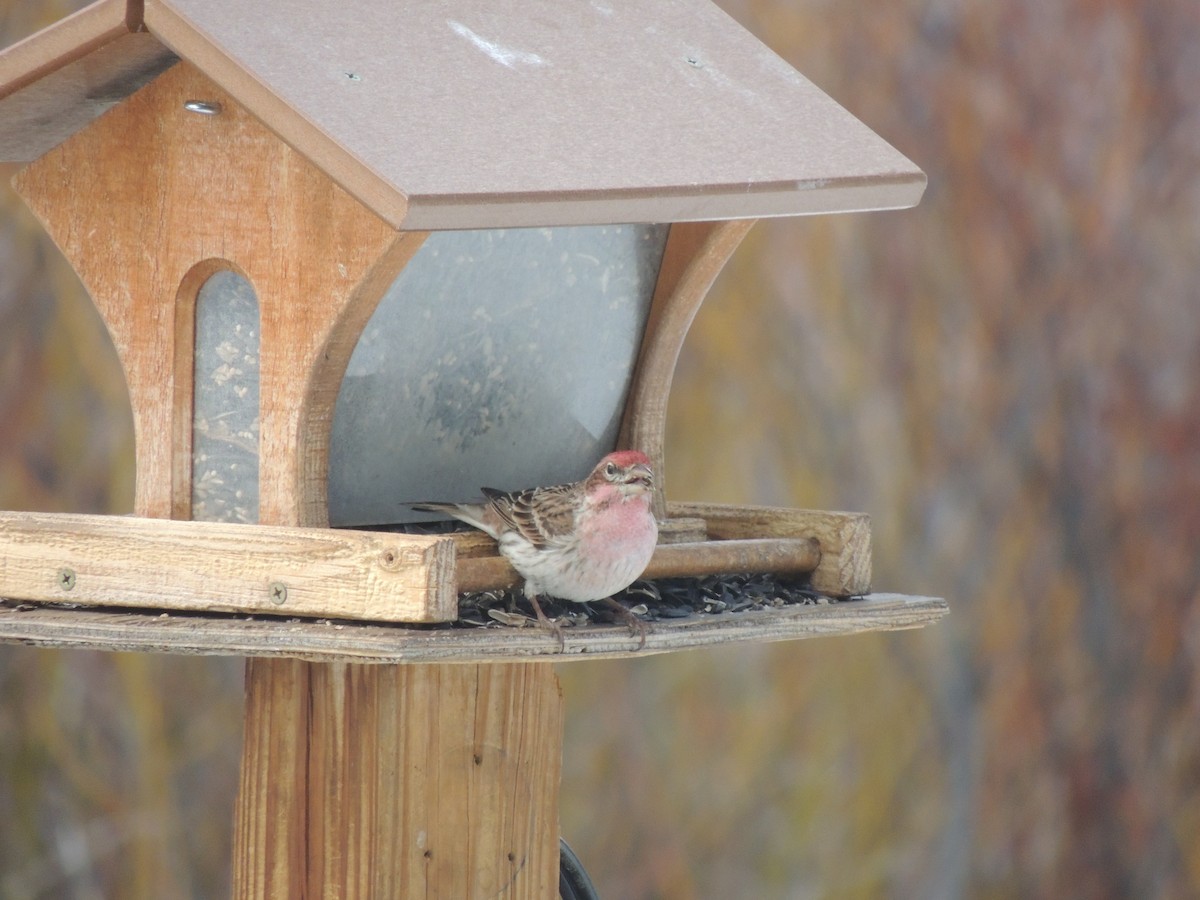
x=581, y=542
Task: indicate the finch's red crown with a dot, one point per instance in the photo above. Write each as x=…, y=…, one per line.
x=627, y=458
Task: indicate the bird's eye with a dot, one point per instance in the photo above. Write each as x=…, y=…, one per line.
x=610, y=470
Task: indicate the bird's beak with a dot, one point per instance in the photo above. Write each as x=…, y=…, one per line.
x=640, y=475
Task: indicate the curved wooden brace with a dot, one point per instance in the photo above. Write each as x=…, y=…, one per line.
x=694, y=256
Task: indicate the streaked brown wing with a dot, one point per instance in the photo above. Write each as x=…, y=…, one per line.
x=544, y=516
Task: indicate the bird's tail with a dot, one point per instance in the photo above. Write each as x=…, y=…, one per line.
x=471, y=513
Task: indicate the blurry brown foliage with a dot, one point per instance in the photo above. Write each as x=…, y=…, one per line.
x=1006, y=378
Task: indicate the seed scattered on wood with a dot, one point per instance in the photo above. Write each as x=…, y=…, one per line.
x=513, y=620
x=667, y=599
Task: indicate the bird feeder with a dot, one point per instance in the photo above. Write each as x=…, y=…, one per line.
x=397, y=253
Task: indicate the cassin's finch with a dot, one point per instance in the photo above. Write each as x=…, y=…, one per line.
x=582, y=541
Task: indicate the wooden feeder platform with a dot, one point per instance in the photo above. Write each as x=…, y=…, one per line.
x=327, y=595
x=325, y=640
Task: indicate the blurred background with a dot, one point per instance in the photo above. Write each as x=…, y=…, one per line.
x=1006, y=378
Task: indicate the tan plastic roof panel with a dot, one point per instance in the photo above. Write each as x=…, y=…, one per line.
x=449, y=114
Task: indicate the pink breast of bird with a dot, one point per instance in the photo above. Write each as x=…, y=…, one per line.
x=616, y=535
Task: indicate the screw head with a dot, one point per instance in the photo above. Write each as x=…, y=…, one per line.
x=278, y=593
x=204, y=107
x=66, y=578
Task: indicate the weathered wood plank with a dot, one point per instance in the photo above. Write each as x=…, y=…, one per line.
x=381, y=576
x=324, y=641
x=273, y=792
x=682, y=531
x=468, y=740
x=845, y=538
x=210, y=567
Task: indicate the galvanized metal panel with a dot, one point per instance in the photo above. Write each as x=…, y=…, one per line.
x=225, y=415
x=498, y=358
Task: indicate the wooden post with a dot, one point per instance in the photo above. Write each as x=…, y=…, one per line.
x=413, y=781
x=357, y=781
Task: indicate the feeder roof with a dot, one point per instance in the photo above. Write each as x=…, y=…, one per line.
x=449, y=114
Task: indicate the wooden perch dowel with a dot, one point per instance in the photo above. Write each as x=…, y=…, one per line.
x=792, y=555
x=845, y=538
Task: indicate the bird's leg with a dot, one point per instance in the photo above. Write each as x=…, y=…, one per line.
x=553, y=626
x=638, y=627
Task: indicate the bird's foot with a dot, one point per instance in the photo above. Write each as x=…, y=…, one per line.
x=553, y=627
x=638, y=627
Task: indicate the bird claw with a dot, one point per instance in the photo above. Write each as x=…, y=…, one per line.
x=554, y=627
x=520, y=620
x=638, y=627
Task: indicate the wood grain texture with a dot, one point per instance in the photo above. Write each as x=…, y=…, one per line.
x=844, y=569
x=209, y=566
x=682, y=531
x=255, y=93
x=207, y=191
x=415, y=781
x=694, y=256
x=270, y=856
x=368, y=643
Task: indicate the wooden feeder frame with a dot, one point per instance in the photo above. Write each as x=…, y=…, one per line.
x=410, y=777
